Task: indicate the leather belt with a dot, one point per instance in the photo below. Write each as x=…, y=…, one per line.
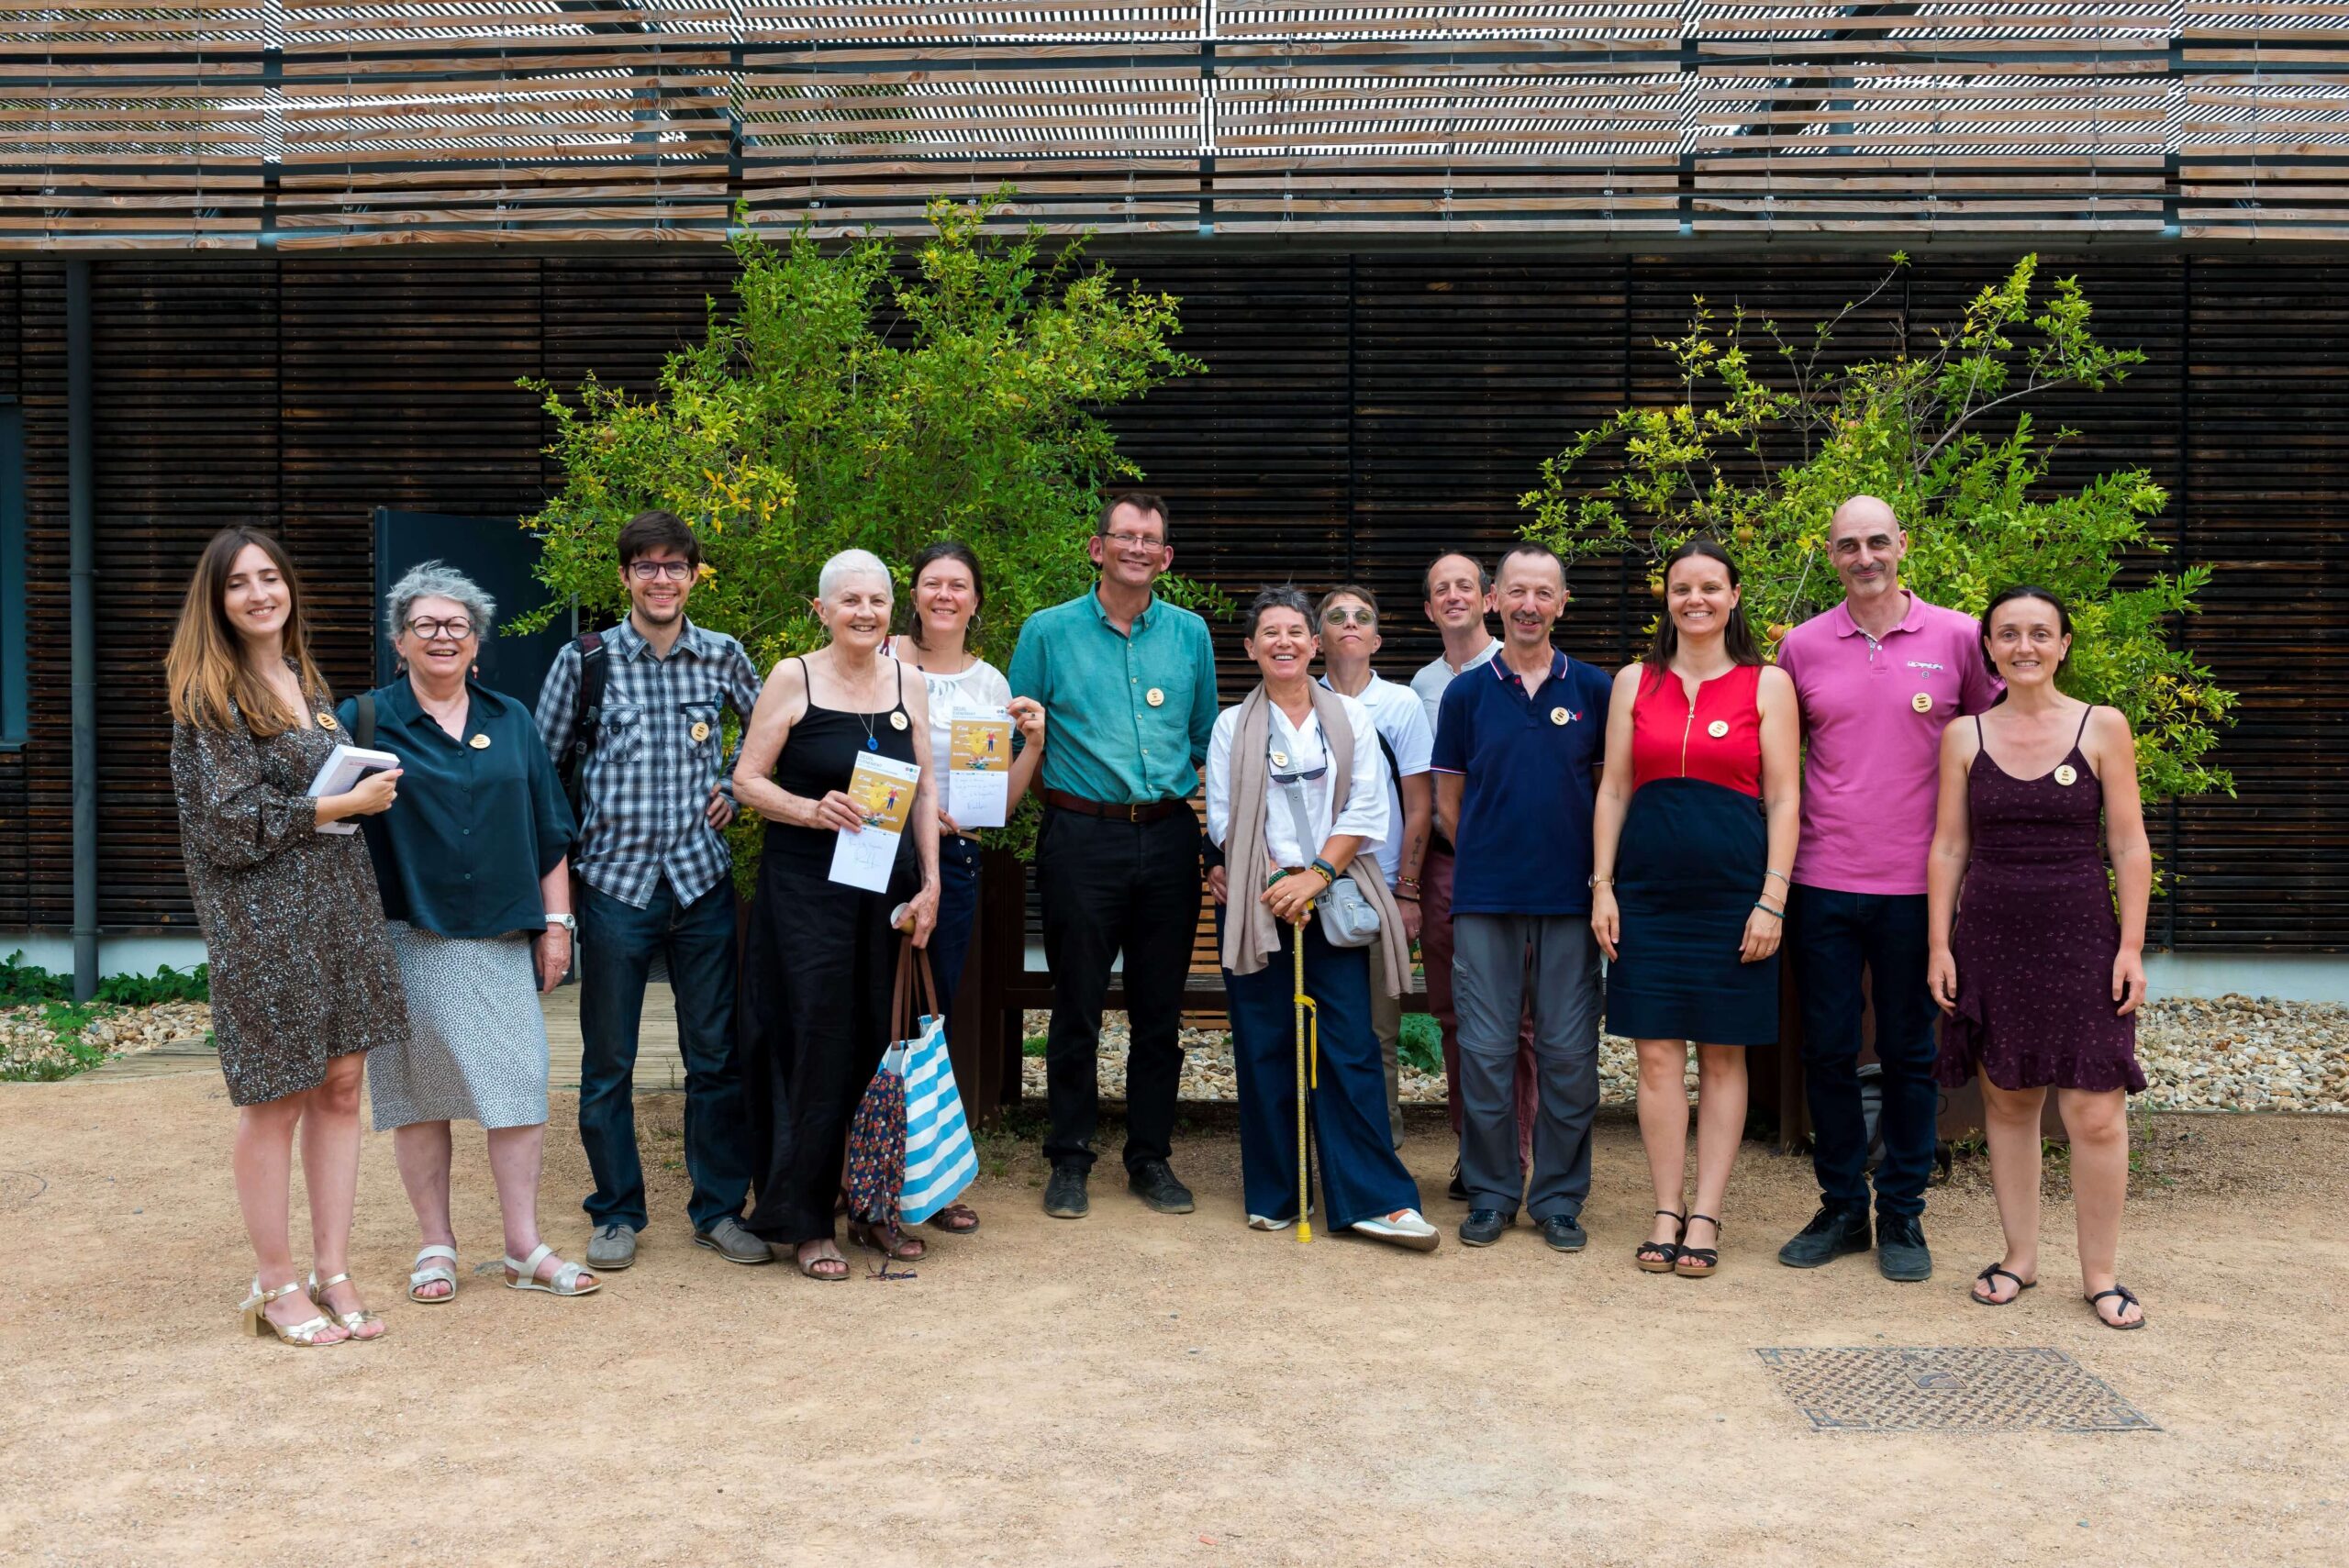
x=1148, y=811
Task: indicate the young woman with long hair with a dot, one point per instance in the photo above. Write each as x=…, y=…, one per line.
x=302, y=981
x=1694, y=842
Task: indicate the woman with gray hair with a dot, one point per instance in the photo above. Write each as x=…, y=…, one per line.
x=473, y=866
x=815, y=980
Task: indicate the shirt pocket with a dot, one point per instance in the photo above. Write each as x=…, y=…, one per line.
x=700, y=730
x=622, y=737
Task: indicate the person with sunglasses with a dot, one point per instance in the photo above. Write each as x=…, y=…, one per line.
x=650, y=782
x=1126, y=684
x=1348, y=616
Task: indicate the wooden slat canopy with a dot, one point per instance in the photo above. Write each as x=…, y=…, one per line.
x=327, y=125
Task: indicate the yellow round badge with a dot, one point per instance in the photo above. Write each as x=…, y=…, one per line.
x=1718, y=729
x=325, y=720
x=1155, y=697
x=1557, y=716
x=480, y=742
x=700, y=732
x=897, y=719
x=1922, y=702
x=2067, y=775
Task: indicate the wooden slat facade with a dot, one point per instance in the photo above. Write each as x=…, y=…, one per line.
x=323, y=124
x=1361, y=412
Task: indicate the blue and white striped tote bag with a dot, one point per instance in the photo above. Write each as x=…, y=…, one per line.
x=940, y=1159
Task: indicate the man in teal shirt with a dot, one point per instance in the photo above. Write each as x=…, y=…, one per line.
x=1127, y=682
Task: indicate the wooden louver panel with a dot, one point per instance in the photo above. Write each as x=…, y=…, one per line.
x=328, y=124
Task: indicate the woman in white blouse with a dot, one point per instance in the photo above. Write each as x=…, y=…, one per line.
x=1294, y=791
x=948, y=594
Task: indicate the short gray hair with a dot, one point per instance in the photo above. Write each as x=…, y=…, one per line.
x=433, y=580
x=851, y=563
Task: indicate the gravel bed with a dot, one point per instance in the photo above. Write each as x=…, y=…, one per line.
x=2237, y=1053
x=29, y=1046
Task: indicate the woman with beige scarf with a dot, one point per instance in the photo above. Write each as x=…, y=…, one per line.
x=1293, y=795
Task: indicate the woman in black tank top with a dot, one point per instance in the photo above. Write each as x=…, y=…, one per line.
x=822, y=955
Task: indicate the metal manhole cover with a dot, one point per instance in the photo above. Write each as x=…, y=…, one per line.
x=1950, y=1389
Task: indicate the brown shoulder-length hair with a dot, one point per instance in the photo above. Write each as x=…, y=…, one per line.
x=205, y=669
x=1737, y=637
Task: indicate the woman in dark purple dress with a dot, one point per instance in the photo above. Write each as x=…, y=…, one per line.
x=2039, y=975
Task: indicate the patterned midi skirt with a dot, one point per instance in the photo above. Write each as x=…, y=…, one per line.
x=476, y=1049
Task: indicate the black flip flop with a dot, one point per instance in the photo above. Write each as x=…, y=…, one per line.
x=2123, y=1292
x=1993, y=1272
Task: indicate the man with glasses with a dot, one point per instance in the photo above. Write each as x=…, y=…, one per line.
x=1350, y=636
x=1127, y=682
x=632, y=714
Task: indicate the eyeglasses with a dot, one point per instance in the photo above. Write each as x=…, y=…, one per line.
x=1359, y=616
x=1136, y=543
x=430, y=627
x=653, y=571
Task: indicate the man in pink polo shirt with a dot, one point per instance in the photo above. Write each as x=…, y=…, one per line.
x=1878, y=676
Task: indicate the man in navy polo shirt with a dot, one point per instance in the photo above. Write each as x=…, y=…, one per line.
x=1518, y=748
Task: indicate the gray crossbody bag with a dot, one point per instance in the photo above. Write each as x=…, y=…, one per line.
x=1347, y=918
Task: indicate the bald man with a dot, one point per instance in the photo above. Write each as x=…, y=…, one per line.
x=1878, y=676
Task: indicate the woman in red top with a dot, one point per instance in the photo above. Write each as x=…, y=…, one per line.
x=1693, y=840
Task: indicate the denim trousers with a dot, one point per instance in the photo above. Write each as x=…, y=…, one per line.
x=958, y=912
x=616, y=942
x=1832, y=935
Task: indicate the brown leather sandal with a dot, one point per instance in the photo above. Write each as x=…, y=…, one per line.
x=899, y=1248
x=956, y=1219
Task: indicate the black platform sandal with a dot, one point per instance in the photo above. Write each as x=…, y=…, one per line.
x=2123, y=1292
x=1657, y=1257
x=1696, y=1263
x=1994, y=1272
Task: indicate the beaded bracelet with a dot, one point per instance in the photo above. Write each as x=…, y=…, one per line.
x=1773, y=914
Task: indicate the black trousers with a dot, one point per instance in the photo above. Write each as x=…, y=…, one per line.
x=1108, y=888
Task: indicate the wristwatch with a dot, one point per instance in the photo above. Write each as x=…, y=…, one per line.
x=567, y=920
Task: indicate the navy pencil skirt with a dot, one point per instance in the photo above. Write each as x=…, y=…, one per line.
x=1691, y=861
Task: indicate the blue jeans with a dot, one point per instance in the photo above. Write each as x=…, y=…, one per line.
x=958, y=912
x=617, y=942
x=1832, y=935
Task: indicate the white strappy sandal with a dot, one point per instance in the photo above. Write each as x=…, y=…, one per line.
x=524, y=1275
x=435, y=1273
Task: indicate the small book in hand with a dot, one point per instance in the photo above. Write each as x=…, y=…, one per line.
x=341, y=772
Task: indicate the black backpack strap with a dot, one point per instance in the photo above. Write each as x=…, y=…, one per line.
x=587, y=713
x=1394, y=768
x=365, y=731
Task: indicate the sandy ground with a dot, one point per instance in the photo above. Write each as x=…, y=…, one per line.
x=1137, y=1388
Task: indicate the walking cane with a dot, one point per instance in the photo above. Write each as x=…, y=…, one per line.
x=1309, y=1069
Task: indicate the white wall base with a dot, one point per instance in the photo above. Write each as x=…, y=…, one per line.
x=117, y=955
x=2292, y=977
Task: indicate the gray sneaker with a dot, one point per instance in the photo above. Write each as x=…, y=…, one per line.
x=612, y=1247
x=730, y=1241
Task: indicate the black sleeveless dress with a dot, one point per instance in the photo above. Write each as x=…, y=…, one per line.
x=2035, y=936
x=816, y=978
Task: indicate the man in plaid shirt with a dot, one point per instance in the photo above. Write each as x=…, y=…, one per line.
x=653, y=798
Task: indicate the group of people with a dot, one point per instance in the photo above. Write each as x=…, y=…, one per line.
x=1564, y=846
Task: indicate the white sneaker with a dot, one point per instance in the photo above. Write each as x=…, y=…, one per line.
x=1260, y=1222
x=1404, y=1228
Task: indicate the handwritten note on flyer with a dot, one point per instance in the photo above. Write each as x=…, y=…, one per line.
x=979, y=758
x=882, y=789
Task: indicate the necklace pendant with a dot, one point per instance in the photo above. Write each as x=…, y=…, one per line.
x=872, y=743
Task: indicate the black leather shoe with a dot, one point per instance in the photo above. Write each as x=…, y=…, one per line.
x=1458, y=1191
x=1833, y=1233
x=1154, y=1182
x=1065, y=1193
x=1483, y=1226
x=1900, y=1249
x=1564, y=1233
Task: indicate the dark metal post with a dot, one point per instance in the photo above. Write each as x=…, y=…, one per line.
x=82, y=566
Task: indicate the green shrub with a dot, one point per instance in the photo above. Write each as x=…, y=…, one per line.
x=21, y=983
x=1766, y=439
x=1421, y=1043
